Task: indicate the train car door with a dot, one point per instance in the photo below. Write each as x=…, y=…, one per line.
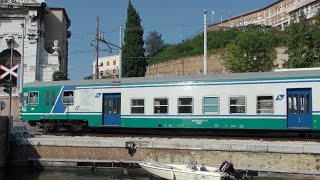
x=299, y=108
x=111, y=109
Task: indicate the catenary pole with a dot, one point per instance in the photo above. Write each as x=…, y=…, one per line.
x=205, y=55
x=97, y=48
x=120, y=53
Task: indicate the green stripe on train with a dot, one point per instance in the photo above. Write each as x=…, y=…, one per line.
x=220, y=123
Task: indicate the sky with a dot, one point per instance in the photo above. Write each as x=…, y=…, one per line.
x=176, y=20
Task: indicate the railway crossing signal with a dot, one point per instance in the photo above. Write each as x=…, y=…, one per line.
x=9, y=71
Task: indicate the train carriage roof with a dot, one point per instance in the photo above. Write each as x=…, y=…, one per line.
x=289, y=74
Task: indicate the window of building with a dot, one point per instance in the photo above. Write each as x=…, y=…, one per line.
x=101, y=64
x=185, y=105
x=265, y=105
x=33, y=98
x=210, y=105
x=67, y=97
x=160, y=106
x=101, y=73
x=114, y=62
x=114, y=71
x=238, y=105
x=108, y=63
x=137, y=106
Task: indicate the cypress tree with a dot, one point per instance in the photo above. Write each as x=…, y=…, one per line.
x=134, y=64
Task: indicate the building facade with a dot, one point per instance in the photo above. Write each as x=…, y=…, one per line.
x=279, y=14
x=36, y=34
x=108, y=66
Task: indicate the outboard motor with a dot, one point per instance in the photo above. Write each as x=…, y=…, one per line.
x=227, y=168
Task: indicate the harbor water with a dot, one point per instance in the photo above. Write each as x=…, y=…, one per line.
x=102, y=174
x=73, y=174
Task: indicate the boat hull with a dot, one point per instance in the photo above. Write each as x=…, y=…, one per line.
x=174, y=173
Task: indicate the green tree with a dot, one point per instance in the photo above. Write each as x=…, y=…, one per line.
x=251, y=51
x=59, y=76
x=88, y=77
x=154, y=43
x=300, y=40
x=316, y=39
x=134, y=62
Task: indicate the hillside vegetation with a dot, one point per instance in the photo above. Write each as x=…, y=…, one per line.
x=216, y=40
x=252, y=49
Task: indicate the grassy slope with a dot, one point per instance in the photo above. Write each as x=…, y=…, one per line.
x=216, y=40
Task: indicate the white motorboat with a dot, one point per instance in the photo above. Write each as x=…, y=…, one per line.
x=183, y=172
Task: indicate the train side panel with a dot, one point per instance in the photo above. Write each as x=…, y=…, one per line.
x=88, y=104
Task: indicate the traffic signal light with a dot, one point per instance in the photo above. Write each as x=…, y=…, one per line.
x=7, y=87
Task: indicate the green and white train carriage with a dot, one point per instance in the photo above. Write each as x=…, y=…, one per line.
x=268, y=100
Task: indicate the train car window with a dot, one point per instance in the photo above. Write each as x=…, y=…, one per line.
x=295, y=104
x=47, y=98
x=53, y=98
x=160, y=106
x=118, y=103
x=307, y=104
x=109, y=105
x=210, y=105
x=67, y=97
x=290, y=108
x=33, y=98
x=25, y=99
x=238, y=105
x=265, y=105
x=302, y=104
x=185, y=105
x=137, y=106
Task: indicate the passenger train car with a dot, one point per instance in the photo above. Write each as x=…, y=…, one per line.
x=263, y=100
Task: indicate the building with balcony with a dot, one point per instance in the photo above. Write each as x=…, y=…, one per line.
x=278, y=14
x=108, y=66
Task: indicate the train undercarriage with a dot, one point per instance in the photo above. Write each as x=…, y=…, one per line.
x=61, y=125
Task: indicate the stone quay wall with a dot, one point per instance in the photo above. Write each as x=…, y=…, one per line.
x=282, y=157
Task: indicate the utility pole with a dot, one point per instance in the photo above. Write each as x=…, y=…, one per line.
x=97, y=48
x=22, y=66
x=10, y=87
x=120, y=53
x=205, y=55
